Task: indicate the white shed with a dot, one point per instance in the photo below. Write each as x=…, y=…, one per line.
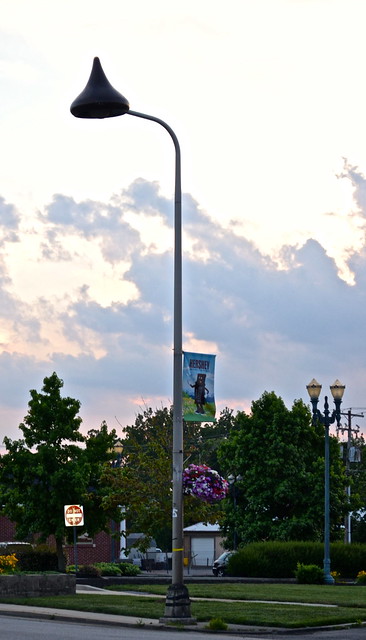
x=202, y=544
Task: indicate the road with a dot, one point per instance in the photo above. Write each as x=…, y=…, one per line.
x=13, y=628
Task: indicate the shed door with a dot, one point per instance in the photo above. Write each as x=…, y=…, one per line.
x=202, y=550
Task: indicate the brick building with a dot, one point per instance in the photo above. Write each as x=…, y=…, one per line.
x=101, y=548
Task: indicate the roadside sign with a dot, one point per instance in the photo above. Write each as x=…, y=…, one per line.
x=74, y=515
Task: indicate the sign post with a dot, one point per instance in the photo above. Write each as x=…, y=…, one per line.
x=74, y=517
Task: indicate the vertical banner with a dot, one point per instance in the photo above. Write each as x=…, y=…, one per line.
x=199, y=387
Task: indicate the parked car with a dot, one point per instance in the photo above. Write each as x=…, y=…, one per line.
x=145, y=560
x=220, y=566
x=13, y=547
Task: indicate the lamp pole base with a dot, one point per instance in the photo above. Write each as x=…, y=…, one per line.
x=178, y=606
x=328, y=579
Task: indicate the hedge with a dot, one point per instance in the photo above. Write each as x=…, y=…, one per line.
x=105, y=569
x=280, y=559
x=37, y=560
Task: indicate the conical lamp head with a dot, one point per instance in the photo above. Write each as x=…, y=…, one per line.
x=99, y=99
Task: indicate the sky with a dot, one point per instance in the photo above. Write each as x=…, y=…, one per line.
x=268, y=101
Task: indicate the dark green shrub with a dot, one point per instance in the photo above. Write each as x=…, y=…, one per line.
x=89, y=570
x=348, y=559
x=128, y=569
x=274, y=559
x=37, y=560
x=309, y=574
x=216, y=624
x=108, y=568
x=279, y=559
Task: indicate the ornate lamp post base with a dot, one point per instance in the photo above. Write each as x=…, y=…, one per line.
x=328, y=578
x=178, y=605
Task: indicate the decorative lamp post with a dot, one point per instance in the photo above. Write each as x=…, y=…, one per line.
x=100, y=100
x=232, y=482
x=116, y=463
x=117, y=449
x=337, y=389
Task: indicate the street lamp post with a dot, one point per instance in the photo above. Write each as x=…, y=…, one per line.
x=337, y=389
x=116, y=463
x=100, y=100
x=232, y=482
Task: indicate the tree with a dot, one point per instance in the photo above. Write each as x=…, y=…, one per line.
x=356, y=473
x=210, y=437
x=144, y=482
x=49, y=468
x=277, y=458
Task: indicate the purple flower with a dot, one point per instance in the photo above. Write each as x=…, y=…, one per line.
x=204, y=483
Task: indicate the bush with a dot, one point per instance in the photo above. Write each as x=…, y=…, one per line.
x=8, y=563
x=347, y=558
x=280, y=559
x=128, y=569
x=105, y=569
x=38, y=559
x=108, y=568
x=361, y=577
x=274, y=559
x=86, y=569
x=216, y=624
x=309, y=574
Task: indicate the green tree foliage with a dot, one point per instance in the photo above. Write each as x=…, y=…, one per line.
x=207, y=445
x=356, y=473
x=277, y=456
x=54, y=465
x=143, y=484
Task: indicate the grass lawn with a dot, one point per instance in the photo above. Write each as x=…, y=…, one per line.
x=350, y=603
x=346, y=596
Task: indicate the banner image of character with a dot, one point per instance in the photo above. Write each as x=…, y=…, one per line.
x=198, y=387
x=199, y=392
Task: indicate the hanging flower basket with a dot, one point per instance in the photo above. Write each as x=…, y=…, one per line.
x=204, y=483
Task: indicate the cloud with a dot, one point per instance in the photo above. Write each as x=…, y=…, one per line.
x=9, y=216
x=358, y=181
x=271, y=327
x=144, y=197
x=92, y=220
